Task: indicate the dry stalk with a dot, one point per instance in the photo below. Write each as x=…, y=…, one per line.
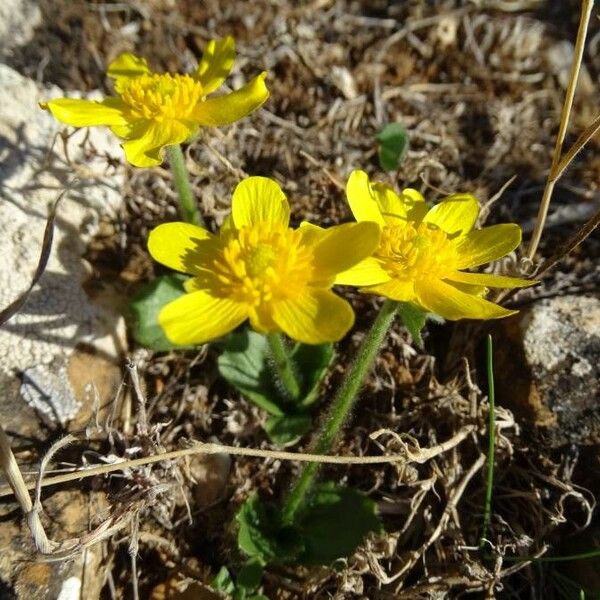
x=584, y=137
x=21, y=492
x=419, y=456
x=554, y=174
x=457, y=494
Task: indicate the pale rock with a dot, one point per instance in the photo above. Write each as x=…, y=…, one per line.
x=18, y=19
x=549, y=368
x=58, y=321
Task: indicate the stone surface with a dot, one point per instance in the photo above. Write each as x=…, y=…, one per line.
x=18, y=19
x=27, y=577
x=548, y=370
x=60, y=341
x=62, y=349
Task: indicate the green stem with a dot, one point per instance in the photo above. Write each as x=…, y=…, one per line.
x=283, y=365
x=341, y=406
x=187, y=203
x=487, y=511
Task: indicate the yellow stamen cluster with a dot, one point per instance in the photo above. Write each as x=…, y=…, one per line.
x=410, y=252
x=261, y=263
x=161, y=96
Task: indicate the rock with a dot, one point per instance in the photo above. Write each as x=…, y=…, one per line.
x=18, y=19
x=548, y=370
x=26, y=577
x=60, y=341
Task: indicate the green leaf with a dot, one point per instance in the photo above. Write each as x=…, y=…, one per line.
x=393, y=143
x=311, y=363
x=262, y=536
x=223, y=581
x=334, y=523
x=245, y=365
x=250, y=575
x=146, y=305
x=287, y=429
x=414, y=320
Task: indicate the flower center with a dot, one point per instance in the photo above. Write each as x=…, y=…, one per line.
x=161, y=96
x=409, y=252
x=262, y=263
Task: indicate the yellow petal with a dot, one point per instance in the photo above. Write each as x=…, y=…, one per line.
x=315, y=317
x=180, y=246
x=311, y=234
x=146, y=148
x=216, y=64
x=484, y=245
x=259, y=200
x=232, y=107
x=411, y=197
x=194, y=284
x=402, y=290
x=127, y=66
x=451, y=303
x=261, y=319
x=366, y=272
x=416, y=207
x=489, y=280
x=344, y=246
x=472, y=290
x=361, y=198
x=198, y=317
x=455, y=214
x=87, y=113
x=390, y=205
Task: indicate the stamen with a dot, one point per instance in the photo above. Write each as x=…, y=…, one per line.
x=409, y=252
x=261, y=263
x=162, y=96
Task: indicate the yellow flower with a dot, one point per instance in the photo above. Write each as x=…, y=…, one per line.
x=422, y=252
x=259, y=268
x=154, y=110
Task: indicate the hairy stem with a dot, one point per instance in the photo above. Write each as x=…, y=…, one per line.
x=283, y=365
x=341, y=406
x=187, y=203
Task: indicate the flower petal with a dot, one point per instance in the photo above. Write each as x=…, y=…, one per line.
x=216, y=64
x=125, y=67
x=259, y=200
x=362, y=199
x=397, y=209
x=261, y=319
x=489, y=280
x=455, y=214
x=484, y=245
x=390, y=205
x=367, y=272
x=402, y=290
x=86, y=113
x=344, y=246
x=451, y=303
x=198, y=317
x=311, y=234
x=146, y=148
x=180, y=246
x=226, y=109
x=315, y=317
